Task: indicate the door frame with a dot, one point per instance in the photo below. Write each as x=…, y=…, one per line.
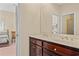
x=18, y=23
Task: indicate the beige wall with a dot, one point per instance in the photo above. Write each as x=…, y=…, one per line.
x=30, y=24
x=35, y=19
x=47, y=10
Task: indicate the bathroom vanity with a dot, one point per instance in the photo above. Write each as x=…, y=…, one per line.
x=49, y=47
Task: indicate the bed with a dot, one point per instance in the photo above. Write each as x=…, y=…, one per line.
x=4, y=38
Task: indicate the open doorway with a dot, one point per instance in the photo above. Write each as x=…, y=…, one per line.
x=7, y=29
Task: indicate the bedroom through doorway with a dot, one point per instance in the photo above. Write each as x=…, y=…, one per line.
x=7, y=29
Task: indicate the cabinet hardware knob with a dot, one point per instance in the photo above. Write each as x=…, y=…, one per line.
x=55, y=49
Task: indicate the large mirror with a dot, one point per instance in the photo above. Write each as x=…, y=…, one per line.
x=63, y=24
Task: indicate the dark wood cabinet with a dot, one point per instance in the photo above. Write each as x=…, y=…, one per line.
x=33, y=50
x=35, y=47
x=39, y=47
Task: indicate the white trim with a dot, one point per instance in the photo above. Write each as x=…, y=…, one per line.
x=67, y=13
x=57, y=21
x=18, y=22
x=75, y=22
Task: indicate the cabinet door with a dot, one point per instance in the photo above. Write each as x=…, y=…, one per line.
x=32, y=50
x=35, y=47
x=38, y=51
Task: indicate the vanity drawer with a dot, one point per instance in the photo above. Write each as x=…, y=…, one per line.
x=59, y=49
x=36, y=41
x=48, y=53
x=33, y=40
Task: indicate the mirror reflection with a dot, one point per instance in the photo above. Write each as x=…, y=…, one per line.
x=63, y=24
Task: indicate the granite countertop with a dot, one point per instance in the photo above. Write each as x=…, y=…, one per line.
x=72, y=43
